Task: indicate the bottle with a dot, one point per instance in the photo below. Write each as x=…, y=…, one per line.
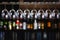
x=54, y=26
x=35, y=24
x=10, y=25
x=30, y=26
x=5, y=25
x=49, y=24
x=39, y=25
x=14, y=25
x=21, y=25
x=17, y=24
x=24, y=25
x=1, y=24
x=42, y=25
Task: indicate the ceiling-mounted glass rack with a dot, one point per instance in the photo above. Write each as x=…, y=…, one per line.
x=28, y=3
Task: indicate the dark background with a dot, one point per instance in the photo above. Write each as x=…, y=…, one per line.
x=29, y=0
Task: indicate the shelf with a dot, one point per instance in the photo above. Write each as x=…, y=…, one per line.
x=34, y=5
x=29, y=3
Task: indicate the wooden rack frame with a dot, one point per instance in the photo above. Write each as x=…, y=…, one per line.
x=36, y=5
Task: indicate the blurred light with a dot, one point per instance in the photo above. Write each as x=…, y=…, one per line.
x=42, y=25
x=49, y=24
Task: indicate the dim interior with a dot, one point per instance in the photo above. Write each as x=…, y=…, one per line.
x=29, y=20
